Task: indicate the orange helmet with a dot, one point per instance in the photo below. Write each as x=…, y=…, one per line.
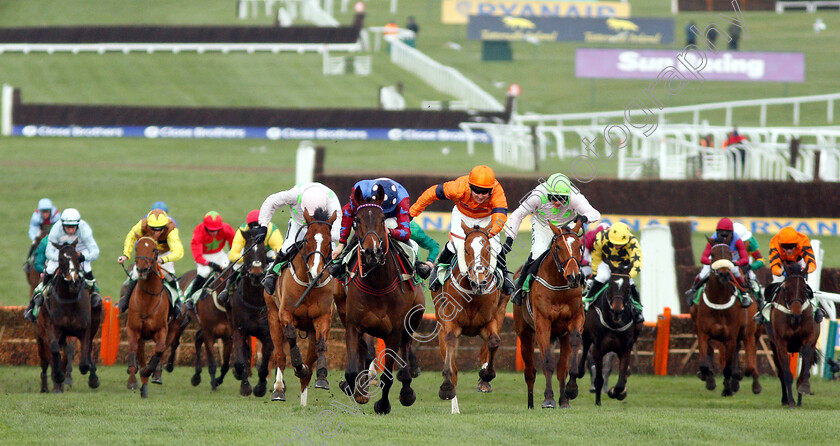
x=212, y=221
x=788, y=236
x=482, y=176
x=253, y=216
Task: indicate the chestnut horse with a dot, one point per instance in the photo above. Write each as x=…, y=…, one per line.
x=553, y=309
x=719, y=317
x=290, y=311
x=148, y=315
x=609, y=327
x=476, y=294
x=793, y=329
x=66, y=312
x=213, y=324
x=249, y=317
x=380, y=303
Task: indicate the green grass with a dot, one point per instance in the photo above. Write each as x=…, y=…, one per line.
x=658, y=410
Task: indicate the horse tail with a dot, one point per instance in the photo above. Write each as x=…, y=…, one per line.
x=818, y=357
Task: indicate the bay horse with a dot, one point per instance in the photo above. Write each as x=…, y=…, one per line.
x=249, y=317
x=66, y=312
x=148, y=315
x=213, y=324
x=610, y=327
x=553, y=310
x=289, y=311
x=793, y=329
x=476, y=295
x=719, y=317
x=380, y=303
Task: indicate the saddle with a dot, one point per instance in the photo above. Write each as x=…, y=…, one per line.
x=350, y=260
x=445, y=274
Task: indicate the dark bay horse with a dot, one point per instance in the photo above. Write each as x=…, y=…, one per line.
x=719, y=317
x=553, y=310
x=793, y=329
x=249, y=317
x=381, y=304
x=290, y=311
x=477, y=296
x=213, y=324
x=148, y=315
x=609, y=327
x=66, y=312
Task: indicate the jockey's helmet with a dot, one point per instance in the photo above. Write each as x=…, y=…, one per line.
x=160, y=205
x=45, y=204
x=742, y=232
x=212, y=221
x=619, y=234
x=390, y=189
x=559, y=188
x=313, y=198
x=724, y=224
x=70, y=217
x=157, y=218
x=787, y=236
x=253, y=217
x=482, y=177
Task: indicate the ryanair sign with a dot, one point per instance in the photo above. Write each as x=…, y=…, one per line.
x=439, y=221
x=459, y=11
x=559, y=29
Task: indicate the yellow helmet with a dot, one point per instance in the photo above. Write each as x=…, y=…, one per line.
x=157, y=218
x=619, y=234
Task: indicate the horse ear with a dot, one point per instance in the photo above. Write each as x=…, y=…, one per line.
x=307, y=216
x=56, y=245
x=332, y=218
x=357, y=195
x=464, y=227
x=554, y=228
x=709, y=239
x=380, y=195
x=75, y=242
x=577, y=227
x=487, y=228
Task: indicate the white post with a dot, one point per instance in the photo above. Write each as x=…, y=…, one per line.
x=393, y=6
x=243, y=9
x=796, y=113
x=305, y=163
x=6, y=101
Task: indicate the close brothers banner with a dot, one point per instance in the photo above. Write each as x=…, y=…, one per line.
x=459, y=11
x=689, y=65
x=563, y=29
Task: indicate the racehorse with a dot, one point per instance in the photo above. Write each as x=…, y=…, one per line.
x=380, y=303
x=176, y=329
x=553, y=309
x=32, y=274
x=148, y=315
x=476, y=294
x=249, y=317
x=291, y=311
x=66, y=312
x=213, y=324
x=719, y=317
x=609, y=327
x=793, y=329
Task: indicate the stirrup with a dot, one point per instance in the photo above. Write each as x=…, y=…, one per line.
x=516, y=297
x=269, y=282
x=434, y=285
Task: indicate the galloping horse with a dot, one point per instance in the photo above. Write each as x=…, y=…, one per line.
x=148, y=315
x=214, y=324
x=719, y=317
x=475, y=292
x=609, y=327
x=249, y=317
x=67, y=312
x=378, y=303
x=793, y=329
x=289, y=310
x=553, y=310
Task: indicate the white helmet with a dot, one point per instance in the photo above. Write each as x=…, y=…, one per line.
x=70, y=217
x=45, y=204
x=313, y=198
x=742, y=232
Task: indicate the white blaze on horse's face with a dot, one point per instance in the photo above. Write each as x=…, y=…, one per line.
x=570, y=242
x=476, y=246
x=619, y=282
x=255, y=263
x=71, y=268
x=316, y=260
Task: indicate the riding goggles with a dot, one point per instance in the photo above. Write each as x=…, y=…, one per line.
x=788, y=245
x=562, y=199
x=157, y=228
x=480, y=190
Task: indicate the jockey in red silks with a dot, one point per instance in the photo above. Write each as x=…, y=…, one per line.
x=209, y=239
x=725, y=235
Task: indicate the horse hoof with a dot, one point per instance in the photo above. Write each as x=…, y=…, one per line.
x=169, y=368
x=484, y=387
x=145, y=372
x=591, y=389
x=278, y=396
x=565, y=405
x=804, y=388
x=144, y=391
x=382, y=407
x=407, y=396
x=447, y=391
x=236, y=375
x=84, y=368
x=362, y=399
x=245, y=388
x=68, y=380
x=157, y=379
x=195, y=380
x=304, y=371
x=617, y=395
x=756, y=388
x=571, y=391
x=711, y=385
x=322, y=383
x=213, y=383
x=259, y=391
x=93, y=381
x=132, y=385
x=344, y=387
x=701, y=375
x=549, y=404
x=486, y=375
x=219, y=381
x=58, y=389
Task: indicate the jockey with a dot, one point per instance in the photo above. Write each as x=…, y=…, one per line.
x=614, y=247
x=725, y=235
x=554, y=201
x=752, y=247
x=208, y=240
x=395, y=206
x=790, y=246
x=479, y=200
x=306, y=197
x=46, y=213
x=273, y=243
x=589, y=245
x=159, y=227
x=163, y=207
x=72, y=229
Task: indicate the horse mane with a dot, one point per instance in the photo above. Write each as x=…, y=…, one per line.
x=321, y=214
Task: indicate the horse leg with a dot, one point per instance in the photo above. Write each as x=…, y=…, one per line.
x=526, y=342
x=262, y=371
x=241, y=361
x=563, y=366
x=309, y=360
x=706, y=372
x=414, y=365
x=729, y=351
x=405, y=374
x=543, y=338
x=448, y=339
x=488, y=369
x=598, y=360
x=785, y=376
x=132, y=358
x=608, y=367
x=750, y=355
x=619, y=392
x=392, y=345
x=69, y=354
x=159, y=337
x=803, y=383
x=351, y=371
x=322, y=329
x=209, y=346
x=45, y=362
x=278, y=357
x=571, y=387
x=584, y=355
x=290, y=333
x=57, y=366
x=175, y=332
x=227, y=344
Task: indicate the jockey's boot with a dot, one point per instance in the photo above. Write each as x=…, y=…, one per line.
x=746, y=299
x=196, y=287
x=445, y=258
x=93, y=288
x=178, y=305
x=31, y=313
x=129, y=285
x=691, y=293
x=423, y=270
x=591, y=292
x=501, y=261
x=516, y=298
x=223, y=296
x=755, y=288
x=269, y=281
x=638, y=317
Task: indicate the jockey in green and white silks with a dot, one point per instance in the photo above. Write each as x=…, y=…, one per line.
x=555, y=200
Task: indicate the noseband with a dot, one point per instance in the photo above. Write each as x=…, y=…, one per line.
x=562, y=265
x=378, y=239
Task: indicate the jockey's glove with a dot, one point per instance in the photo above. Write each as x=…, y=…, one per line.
x=259, y=234
x=215, y=267
x=582, y=218
x=81, y=258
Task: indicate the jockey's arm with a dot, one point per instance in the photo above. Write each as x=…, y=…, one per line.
x=274, y=239
x=744, y=258
x=275, y=201
x=598, y=250
x=197, y=245
x=775, y=261
x=235, y=253
x=34, y=226
x=347, y=216
x=131, y=238
x=175, y=247
x=403, y=230
x=498, y=203
x=635, y=257
x=528, y=205
x=581, y=206
x=706, y=257
x=425, y=242
x=808, y=257
x=52, y=251
x=91, y=251
x=432, y=194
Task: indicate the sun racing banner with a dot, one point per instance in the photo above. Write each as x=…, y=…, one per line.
x=459, y=11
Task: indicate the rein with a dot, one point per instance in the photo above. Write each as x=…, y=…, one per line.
x=560, y=265
x=378, y=238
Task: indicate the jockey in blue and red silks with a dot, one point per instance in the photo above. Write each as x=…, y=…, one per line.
x=395, y=206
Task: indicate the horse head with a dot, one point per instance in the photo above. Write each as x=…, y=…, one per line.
x=254, y=259
x=477, y=256
x=793, y=292
x=69, y=267
x=721, y=262
x=370, y=229
x=146, y=259
x=618, y=291
x=317, y=249
x=567, y=251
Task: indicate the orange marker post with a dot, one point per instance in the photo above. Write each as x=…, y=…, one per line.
x=105, y=334
x=114, y=343
x=520, y=363
x=254, y=351
x=663, y=343
x=380, y=346
x=794, y=361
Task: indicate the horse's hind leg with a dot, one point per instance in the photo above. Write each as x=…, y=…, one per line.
x=241, y=361
x=405, y=375
x=198, y=343
x=322, y=330
x=526, y=342
x=598, y=361
x=45, y=363
x=750, y=357
x=69, y=354
x=227, y=344
x=729, y=350
x=262, y=371
x=209, y=347
x=619, y=392
x=575, y=342
x=706, y=372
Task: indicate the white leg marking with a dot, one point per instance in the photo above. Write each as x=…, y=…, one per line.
x=303, y=396
x=278, y=380
x=455, y=409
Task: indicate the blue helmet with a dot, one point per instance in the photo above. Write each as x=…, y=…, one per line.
x=160, y=205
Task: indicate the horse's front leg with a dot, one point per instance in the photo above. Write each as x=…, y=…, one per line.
x=57, y=364
x=575, y=342
x=290, y=334
x=448, y=340
x=278, y=356
x=706, y=372
x=488, y=369
x=803, y=383
x=392, y=345
x=563, y=366
x=780, y=356
x=729, y=351
x=598, y=360
x=322, y=331
x=619, y=392
x=227, y=346
x=133, y=341
x=351, y=371
x=543, y=338
x=405, y=375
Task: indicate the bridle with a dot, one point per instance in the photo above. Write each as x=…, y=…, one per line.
x=478, y=267
x=73, y=269
x=377, y=239
x=564, y=247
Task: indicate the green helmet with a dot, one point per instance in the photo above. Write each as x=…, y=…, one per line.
x=558, y=184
